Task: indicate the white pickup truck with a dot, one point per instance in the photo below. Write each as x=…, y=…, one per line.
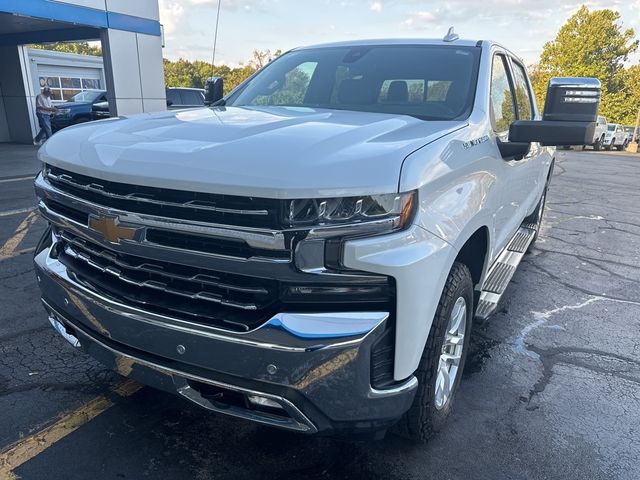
x=598, y=139
x=616, y=137
x=308, y=252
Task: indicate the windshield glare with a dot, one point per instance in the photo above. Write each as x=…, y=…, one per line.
x=87, y=96
x=424, y=81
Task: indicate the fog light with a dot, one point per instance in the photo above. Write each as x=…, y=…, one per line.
x=263, y=402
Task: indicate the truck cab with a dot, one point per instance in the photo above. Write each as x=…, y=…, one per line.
x=309, y=251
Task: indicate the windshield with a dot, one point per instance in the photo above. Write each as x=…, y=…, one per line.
x=86, y=96
x=424, y=81
x=612, y=128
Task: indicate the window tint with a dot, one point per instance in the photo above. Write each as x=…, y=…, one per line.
x=191, y=97
x=523, y=94
x=502, y=102
x=289, y=89
x=173, y=96
x=425, y=81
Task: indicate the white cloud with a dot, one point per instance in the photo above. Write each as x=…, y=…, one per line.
x=171, y=13
x=376, y=7
x=419, y=19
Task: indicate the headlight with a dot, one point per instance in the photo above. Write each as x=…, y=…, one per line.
x=63, y=111
x=397, y=208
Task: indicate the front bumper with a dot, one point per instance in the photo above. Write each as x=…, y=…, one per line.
x=311, y=371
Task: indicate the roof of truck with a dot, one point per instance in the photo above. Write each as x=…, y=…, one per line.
x=395, y=41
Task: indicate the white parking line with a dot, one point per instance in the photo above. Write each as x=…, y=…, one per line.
x=19, y=179
x=8, y=213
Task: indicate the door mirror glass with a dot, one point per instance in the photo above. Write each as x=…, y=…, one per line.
x=213, y=90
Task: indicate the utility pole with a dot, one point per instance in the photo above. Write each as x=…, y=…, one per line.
x=215, y=38
x=633, y=146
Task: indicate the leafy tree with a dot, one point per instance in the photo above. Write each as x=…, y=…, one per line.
x=82, y=48
x=590, y=44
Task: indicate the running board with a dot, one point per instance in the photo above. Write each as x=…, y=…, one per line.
x=502, y=271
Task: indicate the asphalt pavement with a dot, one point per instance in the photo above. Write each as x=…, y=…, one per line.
x=551, y=390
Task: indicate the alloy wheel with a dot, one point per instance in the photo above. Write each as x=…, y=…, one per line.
x=451, y=353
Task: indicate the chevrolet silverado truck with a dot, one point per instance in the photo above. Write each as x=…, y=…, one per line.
x=309, y=251
x=616, y=137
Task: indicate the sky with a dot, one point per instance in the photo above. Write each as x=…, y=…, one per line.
x=245, y=25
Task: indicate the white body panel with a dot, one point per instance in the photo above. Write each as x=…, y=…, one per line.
x=463, y=183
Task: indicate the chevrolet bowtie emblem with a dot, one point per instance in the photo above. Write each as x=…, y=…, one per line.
x=110, y=228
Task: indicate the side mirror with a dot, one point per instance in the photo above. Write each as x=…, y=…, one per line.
x=570, y=114
x=213, y=90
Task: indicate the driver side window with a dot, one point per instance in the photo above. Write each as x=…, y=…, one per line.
x=503, y=111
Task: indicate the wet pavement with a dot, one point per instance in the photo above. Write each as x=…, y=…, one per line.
x=551, y=390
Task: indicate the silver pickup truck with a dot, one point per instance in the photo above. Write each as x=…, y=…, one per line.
x=309, y=251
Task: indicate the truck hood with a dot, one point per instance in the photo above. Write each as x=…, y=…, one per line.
x=274, y=152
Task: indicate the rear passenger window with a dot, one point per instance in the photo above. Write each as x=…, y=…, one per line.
x=173, y=97
x=523, y=95
x=502, y=102
x=402, y=91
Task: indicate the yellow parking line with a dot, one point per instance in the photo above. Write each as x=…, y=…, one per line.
x=29, y=447
x=8, y=249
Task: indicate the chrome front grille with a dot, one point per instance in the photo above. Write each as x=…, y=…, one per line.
x=165, y=252
x=213, y=298
x=179, y=204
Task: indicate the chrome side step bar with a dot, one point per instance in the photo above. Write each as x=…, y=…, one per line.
x=502, y=271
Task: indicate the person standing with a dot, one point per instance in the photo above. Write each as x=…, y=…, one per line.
x=44, y=110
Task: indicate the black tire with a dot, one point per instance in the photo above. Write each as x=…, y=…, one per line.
x=610, y=146
x=598, y=145
x=424, y=419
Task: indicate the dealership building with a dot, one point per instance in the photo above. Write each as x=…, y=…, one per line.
x=130, y=69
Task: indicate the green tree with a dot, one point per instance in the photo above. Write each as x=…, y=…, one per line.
x=82, y=48
x=590, y=44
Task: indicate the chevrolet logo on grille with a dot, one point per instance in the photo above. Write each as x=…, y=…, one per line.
x=110, y=228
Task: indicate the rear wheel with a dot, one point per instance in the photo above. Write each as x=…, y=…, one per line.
x=442, y=361
x=597, y=145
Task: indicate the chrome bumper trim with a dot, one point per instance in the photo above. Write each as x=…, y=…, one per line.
x=325, y=330
x=297, y=421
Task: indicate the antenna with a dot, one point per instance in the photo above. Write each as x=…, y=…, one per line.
x=215, y=38
x=451, y=36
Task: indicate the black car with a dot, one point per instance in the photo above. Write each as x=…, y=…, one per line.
x=182, y=97
x=79, y=109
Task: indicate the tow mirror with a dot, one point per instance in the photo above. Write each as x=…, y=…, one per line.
x=213, y=90
x=570, y=114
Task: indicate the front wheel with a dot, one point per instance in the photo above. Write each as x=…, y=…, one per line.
x=442, y=361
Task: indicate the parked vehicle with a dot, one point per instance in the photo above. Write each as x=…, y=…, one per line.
x=79, y=109
x=599, y=133
x=616, y=137
x=182, y=97
x=630, y=132
x=310, y=252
